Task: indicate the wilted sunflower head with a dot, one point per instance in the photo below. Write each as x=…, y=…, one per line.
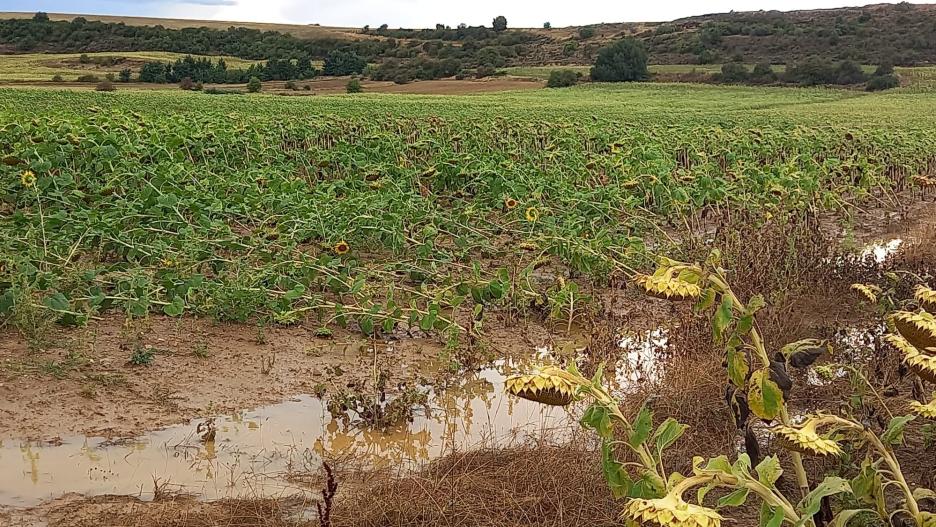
x=925, y=410
x=805, y=440
x=926, y=297
x=342, y=247
x=922, y=364
x=531, y=214
x=669, y=511
x=28, y=179
x=919, y=329
x=546, y=385
x=510, y=203
x=667, y=287
x=868, y=291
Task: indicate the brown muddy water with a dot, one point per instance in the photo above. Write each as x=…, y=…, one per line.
x=261, y=452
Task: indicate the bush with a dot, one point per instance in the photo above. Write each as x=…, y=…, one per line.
x=339, y=63
x=625, y=60
x=886, y=68
x=105, y=85
x=402, y=78
x=547, y=25
x=198, y=86
x=186, y=83
x=216, y=91
x=569, y=48
x=291, y=85
x=57, y=78
x=734, y=73
x=499, y=23
x=125, y=75
x=254, y=85
x=484, y=71
x=84, y=59
x=306, y=87
x=354, y=86
x=847, y=72
x=763, y=73
x=586, y=32
x=110, y=77
x=882, y=82
x=88, y=78
x=562, y=78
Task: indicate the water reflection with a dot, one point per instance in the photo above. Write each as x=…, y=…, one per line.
x=258, y=452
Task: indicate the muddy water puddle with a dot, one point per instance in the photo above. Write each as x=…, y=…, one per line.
x=265, y=452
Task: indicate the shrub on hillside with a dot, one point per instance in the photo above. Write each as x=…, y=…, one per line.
x=763, y=73
x=882, y=82
x=105, y=85
x=354, y=86
x=562, y=78
x=734, y=73
x=254, y=85
x=88, y=78
x=622, y=61
x=339, y=62
x=186, y=84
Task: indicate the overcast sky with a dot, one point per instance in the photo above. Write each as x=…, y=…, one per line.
x=415, y=13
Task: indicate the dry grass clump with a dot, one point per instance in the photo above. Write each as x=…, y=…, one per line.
x=535, y=484
x=179, y=511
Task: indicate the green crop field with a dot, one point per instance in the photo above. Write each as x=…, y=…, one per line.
x=44, y=66
x=378, y=211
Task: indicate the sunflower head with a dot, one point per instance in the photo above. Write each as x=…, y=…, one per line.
x=669, y=511
x=342, y=247
x=667, y=287
x=919, y=329
x=805, y=440
x=925, y=410
x=867, y=291
x=531, y=214
x=546, y=385
x=510, y=203
x=28, y=179
x=926, y=297
x=922, y=364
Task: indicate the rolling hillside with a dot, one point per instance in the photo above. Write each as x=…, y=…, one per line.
x=904, y=34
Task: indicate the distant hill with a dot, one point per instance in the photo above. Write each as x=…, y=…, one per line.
x=304, y=31
x=904, y=34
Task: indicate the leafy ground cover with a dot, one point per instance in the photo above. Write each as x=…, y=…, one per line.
x=382, y=212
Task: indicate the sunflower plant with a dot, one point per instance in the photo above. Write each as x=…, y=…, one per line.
x=758, y=382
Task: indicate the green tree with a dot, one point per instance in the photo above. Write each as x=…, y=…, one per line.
x=500, y=23
x=547, y=25
x=562, y=78
x=734, y=73
x=339, y=62
x=354, y=86
x=622, y=61
x=124, y=75
x=254, y=85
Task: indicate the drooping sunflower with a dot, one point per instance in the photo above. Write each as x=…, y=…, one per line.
x=510, y=203
x=28, y=179
x=919, y=329
x=926, y=297
x=547, y=385
x=669, y=511
x=531, y=214
x=805, y=440
x=868, y=291
x=667, y=287
x=922, y=364
x=342, y=247
x=925, y=410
